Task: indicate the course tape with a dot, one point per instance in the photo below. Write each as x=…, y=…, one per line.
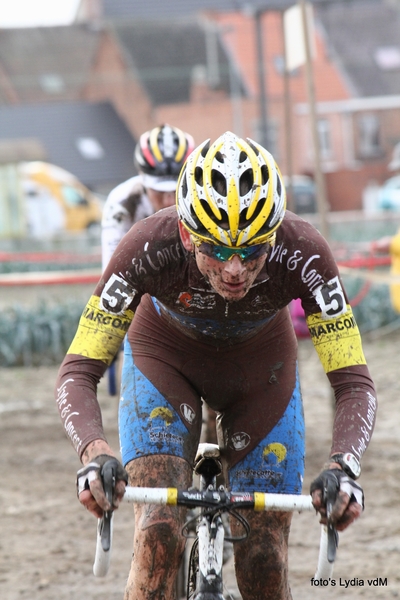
x=93, y=275
x=50, y=277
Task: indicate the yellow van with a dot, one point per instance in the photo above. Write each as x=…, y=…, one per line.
x=55, y=200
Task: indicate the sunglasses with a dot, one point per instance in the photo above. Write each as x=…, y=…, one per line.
x=224, y=253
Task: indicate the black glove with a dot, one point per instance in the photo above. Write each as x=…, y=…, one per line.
x=331, y=481
x=94, y=470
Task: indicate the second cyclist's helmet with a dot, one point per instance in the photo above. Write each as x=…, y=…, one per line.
x=162, y=151
x=231, y=193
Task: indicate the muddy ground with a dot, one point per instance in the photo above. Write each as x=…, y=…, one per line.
x=47, y=540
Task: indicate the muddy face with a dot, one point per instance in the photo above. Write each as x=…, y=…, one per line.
x=231, y=279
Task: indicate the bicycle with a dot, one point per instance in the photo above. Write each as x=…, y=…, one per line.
x=204, y=574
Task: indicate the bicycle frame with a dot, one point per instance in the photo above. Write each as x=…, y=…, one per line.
x=207, y=583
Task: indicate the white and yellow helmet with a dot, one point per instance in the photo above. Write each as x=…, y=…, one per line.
x=231, y=193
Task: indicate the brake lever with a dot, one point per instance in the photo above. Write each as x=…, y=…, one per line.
x=108, y=478
x=330, y=492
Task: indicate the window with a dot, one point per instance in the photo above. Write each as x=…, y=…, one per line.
x=52, y=83
x=279, y=65
x=325, y=138
x=387, y=58
x=273, y=136
x=90, y=148
x=368, y=135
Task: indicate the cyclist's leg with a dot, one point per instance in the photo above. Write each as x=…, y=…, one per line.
x=261, y=561
x=158, y=544
x=158, y=444
x=276, y=465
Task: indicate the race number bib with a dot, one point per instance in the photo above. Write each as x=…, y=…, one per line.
x=330, y=298
x=116, y=295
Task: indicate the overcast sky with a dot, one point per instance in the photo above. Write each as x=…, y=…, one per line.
x=32, y=13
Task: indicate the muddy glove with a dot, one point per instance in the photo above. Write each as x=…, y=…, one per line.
x=343, y=483
x=93, y=470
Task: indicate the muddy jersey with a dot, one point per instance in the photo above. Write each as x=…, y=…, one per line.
x=150, y=266
x=125, y=204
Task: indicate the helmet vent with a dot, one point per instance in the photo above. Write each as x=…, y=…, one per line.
x=243, y=222
x=184, y=185
x=219, y=157
x=205, y=149
x=264, y=174
x=223, y=222
x=198, y=175
x=218, y=182
x=242, y=156
x=278, y=185
x=246, y=182
x=270, y=218
x=253, y=147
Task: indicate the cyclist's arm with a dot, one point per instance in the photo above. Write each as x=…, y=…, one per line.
x=337, y=341
x=338, y=344
x=97, y=340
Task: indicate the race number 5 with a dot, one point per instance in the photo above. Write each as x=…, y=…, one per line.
x=117, y=295
x=330, y=298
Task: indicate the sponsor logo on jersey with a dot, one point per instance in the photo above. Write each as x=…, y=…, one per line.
x=189, y=300
x=160, y=419
x=101, y=318
x=67, y=414
x=158, y=259
x=162, y=413
x=187, y=413
x=367, y=426
x=272, y=477
x=275, y=450
x=240, y=440
x=273, y=455
x=337, y=326
x=337, y=340
x=100, y=333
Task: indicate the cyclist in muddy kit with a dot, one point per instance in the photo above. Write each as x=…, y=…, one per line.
x=203, y=292
x=159, y=156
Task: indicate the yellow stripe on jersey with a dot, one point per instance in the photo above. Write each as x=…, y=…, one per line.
x=100, y=334
x=337, y=341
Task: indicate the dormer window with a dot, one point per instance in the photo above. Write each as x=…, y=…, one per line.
x=90, y=148
x=387, y=58
x=52, y=83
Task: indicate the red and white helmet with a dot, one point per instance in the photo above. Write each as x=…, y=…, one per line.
x=162, y=151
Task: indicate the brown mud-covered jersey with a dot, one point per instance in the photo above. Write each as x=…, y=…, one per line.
x=150, y=260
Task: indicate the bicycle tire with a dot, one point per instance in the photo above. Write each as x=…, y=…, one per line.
x=193, y=570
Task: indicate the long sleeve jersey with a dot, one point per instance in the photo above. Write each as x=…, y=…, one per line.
x=150, y=260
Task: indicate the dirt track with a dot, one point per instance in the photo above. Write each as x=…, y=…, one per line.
x=47, y=540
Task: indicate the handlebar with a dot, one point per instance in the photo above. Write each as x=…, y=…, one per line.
x=217, y=499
